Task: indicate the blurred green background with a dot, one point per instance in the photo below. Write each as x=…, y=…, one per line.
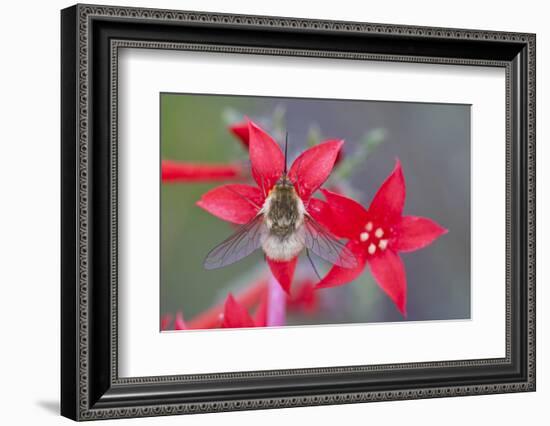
x=431, y=140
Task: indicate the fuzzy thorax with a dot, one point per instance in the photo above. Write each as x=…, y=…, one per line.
x=284, y=218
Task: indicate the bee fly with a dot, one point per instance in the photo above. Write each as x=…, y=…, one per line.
x=282, y=228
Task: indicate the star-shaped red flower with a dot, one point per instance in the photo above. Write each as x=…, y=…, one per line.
x=377, y=235
x=240, y=203
x=235, y=314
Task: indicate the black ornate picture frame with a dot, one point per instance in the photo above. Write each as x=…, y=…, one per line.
x=91, y=387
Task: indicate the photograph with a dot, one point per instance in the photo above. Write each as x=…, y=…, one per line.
x=283, y=212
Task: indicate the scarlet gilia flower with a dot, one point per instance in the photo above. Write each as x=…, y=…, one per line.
x=174, y=171
x=377, y=235
x=235, y=315
x=275, y=213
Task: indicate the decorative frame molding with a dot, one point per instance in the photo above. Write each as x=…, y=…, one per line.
x=91, y=38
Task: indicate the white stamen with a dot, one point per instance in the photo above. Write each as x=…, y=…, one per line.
x=379, y=233
x=368, y=226
x=383, y=244
x=364, y=236
x=372, y=249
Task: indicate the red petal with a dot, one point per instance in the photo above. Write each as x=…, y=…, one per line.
x=312, y=168
x=266, y=157
x=338, y=276
x=322, y=213
x=179, y=323
x=389, y=272
x=387, y=204
x=236, y=203
x=415, y=232
x=235, y=315
x=172, y=171
x=240, y=130
x=283, y=271
x=350, y=216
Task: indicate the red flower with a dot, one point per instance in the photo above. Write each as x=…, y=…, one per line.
x=173, y=171
x=377, y=235
x=235, y=315
x=240, y=204
x=212, y=317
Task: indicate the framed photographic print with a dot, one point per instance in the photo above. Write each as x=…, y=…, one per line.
x=263, y=212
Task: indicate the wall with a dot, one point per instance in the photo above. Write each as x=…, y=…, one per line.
x=29, y=225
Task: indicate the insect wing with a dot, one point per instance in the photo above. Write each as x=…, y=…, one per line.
x=239, y=245
x=321, y=242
